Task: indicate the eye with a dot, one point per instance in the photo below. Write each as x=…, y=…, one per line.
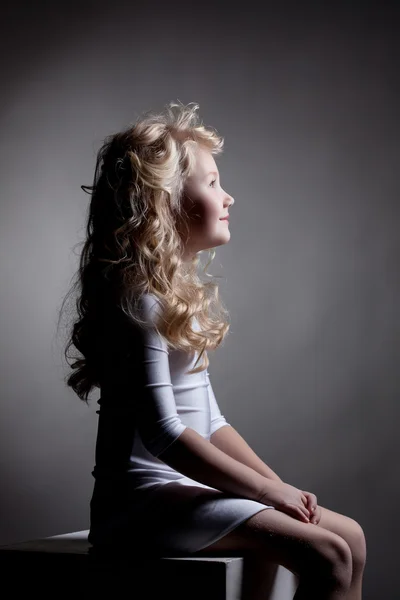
x=213, y=181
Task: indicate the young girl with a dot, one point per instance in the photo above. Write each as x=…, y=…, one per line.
x=172, y=477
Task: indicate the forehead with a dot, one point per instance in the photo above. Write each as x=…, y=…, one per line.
x=204, y=162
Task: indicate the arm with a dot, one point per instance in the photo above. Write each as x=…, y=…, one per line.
x=226, y=438
x=181, y=447
x=231, y=442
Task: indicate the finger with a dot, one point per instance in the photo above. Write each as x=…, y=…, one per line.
x=304, y=512
x=311, y=499
x=304, y=516
x=316, y=516
x=295, y=512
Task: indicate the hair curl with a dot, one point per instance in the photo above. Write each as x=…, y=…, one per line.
x=133, y=246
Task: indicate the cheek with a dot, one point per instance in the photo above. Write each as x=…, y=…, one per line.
x=213, y=213
x=205, y=216
x=207, y=226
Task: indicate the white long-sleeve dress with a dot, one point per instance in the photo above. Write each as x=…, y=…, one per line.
x=138, y=500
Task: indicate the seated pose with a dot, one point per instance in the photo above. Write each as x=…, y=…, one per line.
x=171, y=475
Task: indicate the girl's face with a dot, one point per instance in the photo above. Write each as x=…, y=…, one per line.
x=206, y=203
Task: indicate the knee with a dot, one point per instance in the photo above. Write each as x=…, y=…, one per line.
x=357, y=544
x=338, y=552
x=335, y=561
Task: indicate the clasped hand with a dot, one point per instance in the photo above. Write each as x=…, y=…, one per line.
x=288, y=499
x=312, y=507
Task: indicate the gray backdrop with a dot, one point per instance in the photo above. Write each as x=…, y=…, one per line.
x=307, y=100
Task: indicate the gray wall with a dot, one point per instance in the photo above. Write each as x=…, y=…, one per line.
x=307, y=100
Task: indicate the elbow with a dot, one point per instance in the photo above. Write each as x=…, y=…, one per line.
x=217, y=424
x=159, y=441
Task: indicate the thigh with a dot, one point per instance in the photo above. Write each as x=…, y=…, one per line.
x=282, y=539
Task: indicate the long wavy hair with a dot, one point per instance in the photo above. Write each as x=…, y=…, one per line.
x=134, y=246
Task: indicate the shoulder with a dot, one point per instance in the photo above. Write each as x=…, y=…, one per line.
x=149, y=307
x=149, y=301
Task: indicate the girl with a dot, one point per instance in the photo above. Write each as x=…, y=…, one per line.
x=172, y=476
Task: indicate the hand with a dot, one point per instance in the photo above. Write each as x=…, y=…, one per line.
x=287, y=499
x=313, y=508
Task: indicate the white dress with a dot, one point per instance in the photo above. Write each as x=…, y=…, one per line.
x=138, y=500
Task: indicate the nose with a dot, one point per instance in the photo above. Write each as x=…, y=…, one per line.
x=231, y=202
x=229, y=197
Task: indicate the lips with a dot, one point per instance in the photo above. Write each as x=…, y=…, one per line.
x=225, y=218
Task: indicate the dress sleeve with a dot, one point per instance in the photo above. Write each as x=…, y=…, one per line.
x=159, y=424
x=217, y=419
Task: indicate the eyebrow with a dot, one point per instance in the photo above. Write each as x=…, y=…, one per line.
x=212, y=173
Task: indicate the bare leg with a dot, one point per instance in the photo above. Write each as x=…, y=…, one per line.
x=352, y=532
x=319, y=558
x=258, y=577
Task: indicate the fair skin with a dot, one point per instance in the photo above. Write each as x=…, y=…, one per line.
x=228, y=440
x=206, y=202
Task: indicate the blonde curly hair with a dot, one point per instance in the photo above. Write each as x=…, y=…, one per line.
x=133, y=245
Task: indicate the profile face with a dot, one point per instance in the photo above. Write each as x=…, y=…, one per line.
x=206, y=203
